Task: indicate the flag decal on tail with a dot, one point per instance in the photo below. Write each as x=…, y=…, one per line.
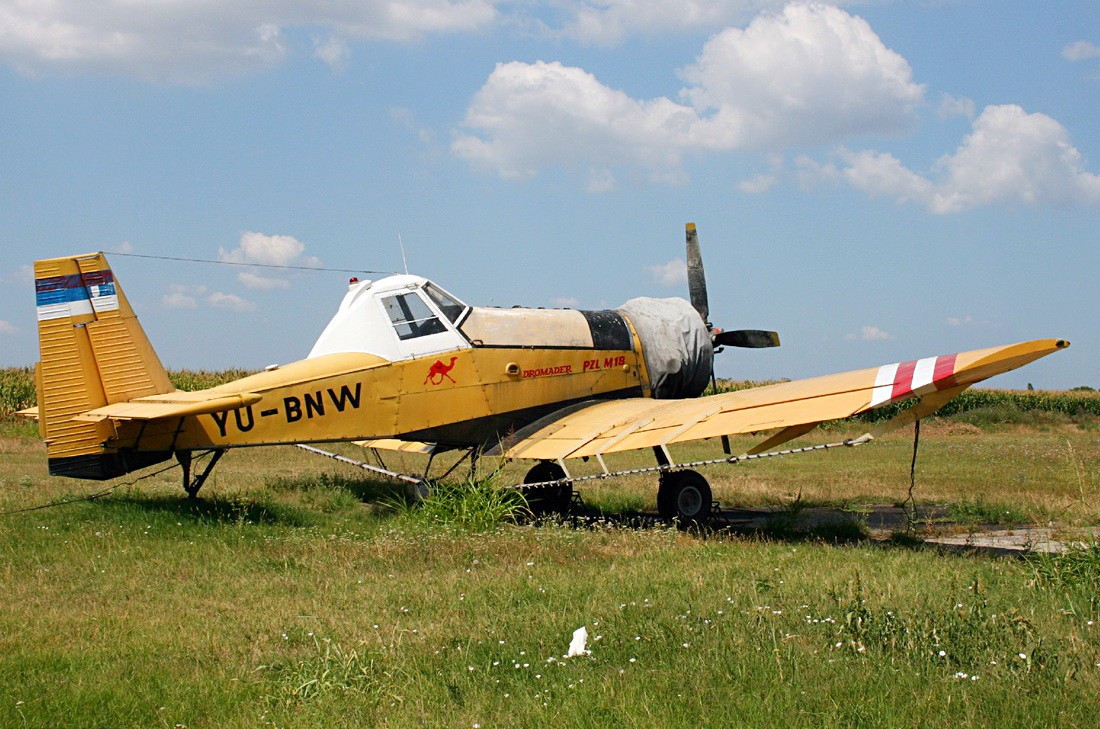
x=902, y=379
x=58, y=297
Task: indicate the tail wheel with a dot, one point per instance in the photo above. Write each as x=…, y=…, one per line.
x=684, y=495
x=548, y=499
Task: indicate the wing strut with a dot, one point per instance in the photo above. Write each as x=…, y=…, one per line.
x=418, y=487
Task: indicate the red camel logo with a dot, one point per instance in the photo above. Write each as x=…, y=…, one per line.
x=439, y=370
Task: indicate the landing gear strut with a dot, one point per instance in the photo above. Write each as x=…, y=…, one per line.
x=554, y=499
x=192, y=486
x=684, y=495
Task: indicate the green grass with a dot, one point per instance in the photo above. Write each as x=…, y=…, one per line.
x=299, y=594
x=134, y=613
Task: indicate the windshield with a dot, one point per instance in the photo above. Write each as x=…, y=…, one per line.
x=411, y=317
x=451, y=307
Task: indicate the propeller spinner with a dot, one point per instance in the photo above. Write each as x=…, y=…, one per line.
x=697, y=288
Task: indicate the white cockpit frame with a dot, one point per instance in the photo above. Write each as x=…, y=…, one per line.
x=396, y=318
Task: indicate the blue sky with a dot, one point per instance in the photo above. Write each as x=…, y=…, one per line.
x=877, y=181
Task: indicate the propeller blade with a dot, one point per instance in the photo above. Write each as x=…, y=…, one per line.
x=697, y=280
x=751, y=338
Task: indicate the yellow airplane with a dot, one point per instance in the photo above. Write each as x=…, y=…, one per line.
x=405, y=365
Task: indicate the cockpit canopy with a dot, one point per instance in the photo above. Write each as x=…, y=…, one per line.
x=398, y=317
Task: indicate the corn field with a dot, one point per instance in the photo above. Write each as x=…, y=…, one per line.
x=17, y=384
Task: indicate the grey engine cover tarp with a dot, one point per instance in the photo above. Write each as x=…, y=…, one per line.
x=678, y=350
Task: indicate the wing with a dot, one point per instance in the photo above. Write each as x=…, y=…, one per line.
x=598, y=427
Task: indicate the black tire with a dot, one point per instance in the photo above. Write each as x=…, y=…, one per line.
x=548, y=499
x=684, y=495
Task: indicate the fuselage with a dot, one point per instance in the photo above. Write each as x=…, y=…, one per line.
x=404, y=359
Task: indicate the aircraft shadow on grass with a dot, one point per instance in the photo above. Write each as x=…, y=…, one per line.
x=884, y=526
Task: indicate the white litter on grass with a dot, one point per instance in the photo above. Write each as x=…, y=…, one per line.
x=576, y=646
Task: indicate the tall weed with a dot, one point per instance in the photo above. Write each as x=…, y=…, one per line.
x=328, y=669
x=473, y=505
x=965, y=633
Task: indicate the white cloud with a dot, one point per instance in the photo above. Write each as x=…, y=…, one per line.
x=758, y=184
x=1081, y=51
x=878, y=173
x=1010, y=157
x=229, y=301
x=7, y=328
x=269, y=250
x=542, y=114
x=181, y=297
x=262, y=283
x=567, y=302
x=811, y=173
x=673, y=273
x=869, y=334
x=608, y=22
x=193, y=41
x=808, y=75
x=956, y=106
x=332, y=50
x=965, y=321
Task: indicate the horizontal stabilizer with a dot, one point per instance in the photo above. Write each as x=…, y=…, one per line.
x=170, y=405
x=31, y=412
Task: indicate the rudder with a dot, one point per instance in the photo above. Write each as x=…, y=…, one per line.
x=93, y=352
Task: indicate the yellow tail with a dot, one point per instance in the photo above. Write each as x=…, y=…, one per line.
x=93, y=353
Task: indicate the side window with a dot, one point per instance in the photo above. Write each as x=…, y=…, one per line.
x=411, y=317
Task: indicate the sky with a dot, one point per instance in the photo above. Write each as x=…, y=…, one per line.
x=878, y=181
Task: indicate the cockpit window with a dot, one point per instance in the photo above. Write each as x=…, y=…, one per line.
x=452, y=308
x=411, y=317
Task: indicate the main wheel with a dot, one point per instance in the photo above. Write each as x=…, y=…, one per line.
x=548, y=499
x=684, y=495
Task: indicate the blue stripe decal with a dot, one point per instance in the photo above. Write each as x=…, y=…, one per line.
x=66, y=289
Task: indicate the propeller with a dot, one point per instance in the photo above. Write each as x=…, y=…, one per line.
x=697, y=288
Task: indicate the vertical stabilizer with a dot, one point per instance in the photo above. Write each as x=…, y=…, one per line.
x=93, y=353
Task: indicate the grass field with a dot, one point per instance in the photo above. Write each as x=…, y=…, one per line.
x=297, y=594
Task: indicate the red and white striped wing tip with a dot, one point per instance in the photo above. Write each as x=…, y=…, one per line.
x=900, y=380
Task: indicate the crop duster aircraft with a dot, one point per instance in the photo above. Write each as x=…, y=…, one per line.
x=405, y=365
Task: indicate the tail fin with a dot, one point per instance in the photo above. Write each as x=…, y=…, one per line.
x=93, y=353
